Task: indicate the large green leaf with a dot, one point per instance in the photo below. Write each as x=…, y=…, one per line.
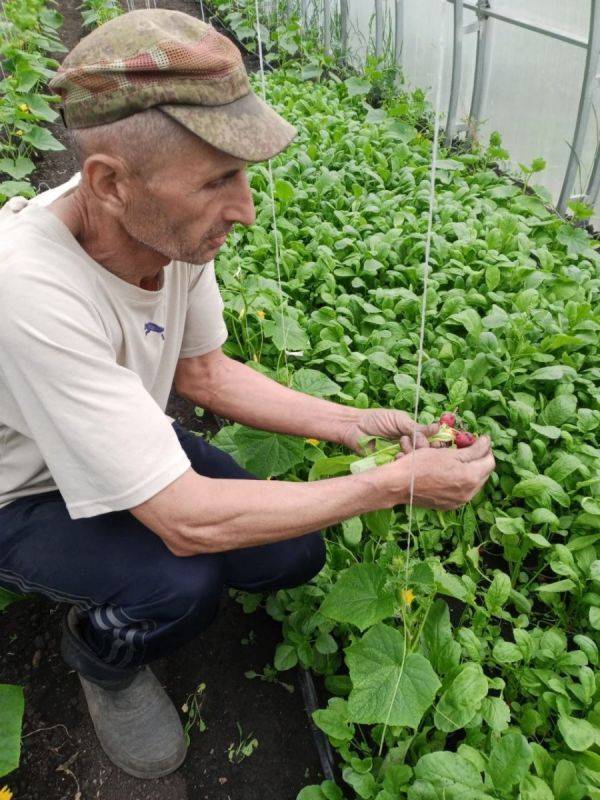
x=334, y=720
x=42, y=139
x=12, y=705
x=462, y=699
x=534, y=788
x=389, y=685
x=40, y=107
x=286, y=333
x=268, y=454
x=442, y=651
x=447, y=776
x=359, y=596
x=560, y=409
x=14, y=188
x=17, y=168
x=496, y=713
x=542, y=489
x=7, y=597
x=311, y=381
x=509, y=760
x=578, y=734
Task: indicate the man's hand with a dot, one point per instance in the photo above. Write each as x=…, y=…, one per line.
x=444, y=480
x=388, y=424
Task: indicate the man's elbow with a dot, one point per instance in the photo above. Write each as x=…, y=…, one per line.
x=184, y=543
x=198, y=379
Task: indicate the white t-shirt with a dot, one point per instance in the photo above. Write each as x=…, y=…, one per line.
x=87, y=362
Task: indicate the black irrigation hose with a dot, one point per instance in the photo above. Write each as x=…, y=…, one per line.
x=311, y=703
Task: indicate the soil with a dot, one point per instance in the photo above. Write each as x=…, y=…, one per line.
x=61, y=758
x=60, y=752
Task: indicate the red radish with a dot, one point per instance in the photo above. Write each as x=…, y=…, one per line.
x=448, y=419
x=464, y=439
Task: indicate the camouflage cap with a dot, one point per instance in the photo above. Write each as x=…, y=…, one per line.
x=178, y=64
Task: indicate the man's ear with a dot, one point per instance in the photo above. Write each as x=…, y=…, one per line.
x=107, y=178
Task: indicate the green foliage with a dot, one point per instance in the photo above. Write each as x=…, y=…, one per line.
x=97, y=12
x=480, y=649
x=29, y=33
x=11, y=716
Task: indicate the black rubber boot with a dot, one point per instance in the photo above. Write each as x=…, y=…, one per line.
x=80, y=657
x=135, y=721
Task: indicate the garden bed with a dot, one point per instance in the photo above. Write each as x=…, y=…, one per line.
x=60, y=750
x=60, y=753
x=467, y=658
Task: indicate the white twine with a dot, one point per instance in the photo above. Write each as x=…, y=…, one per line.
x=434, y=158
x=282, y=300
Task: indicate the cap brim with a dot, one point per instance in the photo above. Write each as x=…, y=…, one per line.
x=247, y=128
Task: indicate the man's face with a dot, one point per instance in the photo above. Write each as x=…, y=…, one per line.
x=184, y=207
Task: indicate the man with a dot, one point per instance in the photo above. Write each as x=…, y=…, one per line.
x=108, y=295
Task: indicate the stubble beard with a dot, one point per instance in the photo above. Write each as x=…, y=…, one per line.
x=148, y=225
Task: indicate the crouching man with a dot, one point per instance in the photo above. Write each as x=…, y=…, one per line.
x=108, y=298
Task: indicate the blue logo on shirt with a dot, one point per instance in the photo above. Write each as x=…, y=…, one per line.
x=152, y=327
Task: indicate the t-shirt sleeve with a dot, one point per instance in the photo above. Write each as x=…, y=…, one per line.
x=106, y=442
x=205, y=328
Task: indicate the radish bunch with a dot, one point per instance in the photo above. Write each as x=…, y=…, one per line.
x=385, y=452
x=449, y=433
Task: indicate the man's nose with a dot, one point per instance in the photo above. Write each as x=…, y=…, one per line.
x=240, y=207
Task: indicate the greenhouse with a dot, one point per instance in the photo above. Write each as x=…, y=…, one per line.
x=346, y=250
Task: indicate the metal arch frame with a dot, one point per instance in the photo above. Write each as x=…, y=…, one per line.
x=482, y=66
x=483, y=55
x=583, y=116
x=457, y=42
x=399, y=32
x=378, y=29
x=481, y=79
x=344, y=13
x=327, y=27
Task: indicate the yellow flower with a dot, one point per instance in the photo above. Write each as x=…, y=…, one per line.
x=260, y=314
x=18, y=133
x=408, y=596
x=5, y=793
x=242, y=312
x=314, y=442
x=24, y=107
x=255, y=358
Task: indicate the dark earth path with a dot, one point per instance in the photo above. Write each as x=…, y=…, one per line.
x=61, y=759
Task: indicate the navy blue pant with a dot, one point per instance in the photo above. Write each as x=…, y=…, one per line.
x=140, y=601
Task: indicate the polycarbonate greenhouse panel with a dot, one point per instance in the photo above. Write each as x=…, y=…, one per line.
x=534, y=80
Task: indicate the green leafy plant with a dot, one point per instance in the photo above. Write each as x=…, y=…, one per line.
x=12, y=705
x=192, y=708
x=28, y=31
x=473, y=649
x=243, y=748
x=96, y=12
x=536, y=166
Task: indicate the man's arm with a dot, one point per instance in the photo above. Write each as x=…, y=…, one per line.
x=237, y=392
x=195, y=514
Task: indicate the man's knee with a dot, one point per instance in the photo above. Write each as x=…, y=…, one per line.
x=281, y=565
x=186, y=587
x=311, y=559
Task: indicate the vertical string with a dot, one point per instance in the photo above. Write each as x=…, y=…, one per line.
x=434, y=158
x=282, y=300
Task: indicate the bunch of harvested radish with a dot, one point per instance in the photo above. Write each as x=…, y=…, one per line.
x=385, y=452
x=448, y=432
